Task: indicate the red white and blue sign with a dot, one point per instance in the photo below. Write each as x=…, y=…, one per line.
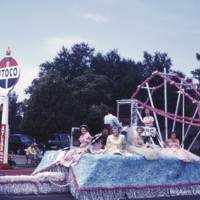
x=9, y=72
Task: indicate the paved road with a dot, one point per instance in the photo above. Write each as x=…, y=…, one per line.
x=19, y=159
x=40, y=197
x=70, y=197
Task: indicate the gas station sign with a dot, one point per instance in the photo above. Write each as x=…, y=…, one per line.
x=9, y=75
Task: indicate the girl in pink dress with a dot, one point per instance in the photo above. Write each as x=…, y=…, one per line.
x=71, y=157
x=175, y=150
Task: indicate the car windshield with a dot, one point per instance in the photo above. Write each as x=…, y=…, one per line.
x=26, y=139
x=54, y=137
x=65, y=138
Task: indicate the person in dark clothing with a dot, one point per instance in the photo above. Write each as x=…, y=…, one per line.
x=11, y=160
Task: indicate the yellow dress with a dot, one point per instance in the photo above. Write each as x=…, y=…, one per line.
x=114, y=145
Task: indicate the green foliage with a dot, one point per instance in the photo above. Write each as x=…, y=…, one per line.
x=52, y=108
x=67, y=65
x=196, y=72
x=89, y=88
x=92, y=83
x=95, y=117
x=14, y=114
x=155, y=62
x=198, y=56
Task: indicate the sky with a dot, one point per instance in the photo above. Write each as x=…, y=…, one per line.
x=36, y=30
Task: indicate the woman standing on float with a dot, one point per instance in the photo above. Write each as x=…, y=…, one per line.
x=72, y=156
x=148, y=120
x=112, y=120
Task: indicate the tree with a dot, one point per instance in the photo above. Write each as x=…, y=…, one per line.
x=198, y=56
x=52, y=108
x=67, y=65
x=95, y=117
x=196, y=72
x=151, y=63
x=93, y=92
x=91, y=88
x=107, y=65
x=156, y=62
x=14, y=116
x=122, y=74
x=98, y=80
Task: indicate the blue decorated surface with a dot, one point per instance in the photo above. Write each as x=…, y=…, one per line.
x=47, y=161
x=111, y=171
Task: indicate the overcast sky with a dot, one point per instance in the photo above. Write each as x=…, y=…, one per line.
x=36, y=30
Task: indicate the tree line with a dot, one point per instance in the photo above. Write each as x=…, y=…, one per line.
x=78, y=86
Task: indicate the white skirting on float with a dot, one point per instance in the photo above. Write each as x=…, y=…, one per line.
x=42, y=183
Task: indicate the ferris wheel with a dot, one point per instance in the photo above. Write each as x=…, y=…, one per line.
x=191, y=121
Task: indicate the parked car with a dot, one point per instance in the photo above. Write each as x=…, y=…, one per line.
x=19, y=143
x=55, y=141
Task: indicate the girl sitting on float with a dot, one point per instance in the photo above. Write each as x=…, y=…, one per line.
x=174, y=149
x=72, y=156
x=114, y=144
x=142, y=149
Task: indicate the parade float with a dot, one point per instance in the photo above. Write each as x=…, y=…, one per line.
x=103, y=177
x=117, y=177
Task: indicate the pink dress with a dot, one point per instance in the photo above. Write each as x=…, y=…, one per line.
x=71, y=157
x=181, y=153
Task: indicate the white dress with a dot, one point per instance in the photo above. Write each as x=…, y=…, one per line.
x=147, y=120
x=148, y=153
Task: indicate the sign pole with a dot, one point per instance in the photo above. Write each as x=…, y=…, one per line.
x=166, y=120
x=4, y=124
x=9, y=75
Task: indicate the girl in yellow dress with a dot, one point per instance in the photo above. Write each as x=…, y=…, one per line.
x=115, y=144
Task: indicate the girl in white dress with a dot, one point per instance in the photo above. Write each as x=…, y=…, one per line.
x=142, y=149
x=148, y=120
